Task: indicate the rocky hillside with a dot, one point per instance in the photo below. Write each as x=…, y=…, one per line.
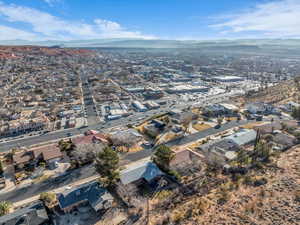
x=7, y=52
x=266, y=196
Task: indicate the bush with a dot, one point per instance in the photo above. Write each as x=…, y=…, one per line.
x=175, y=174
x=49, y=198
x=259, y=182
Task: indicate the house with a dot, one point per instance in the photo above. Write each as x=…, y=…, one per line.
x=91, y=193
x=225, y=149
x=290, y=106
x=90, y=138
x=140, y=172
x=220, y=110
x=182, y=117
x=221, y=151
x=152, y=130
x=268, y=128
x=261, y=108
x=128, y=138
x=48, y=153
x=284, y=141
x=34, y=214
x=243, y=137
x=186, y=161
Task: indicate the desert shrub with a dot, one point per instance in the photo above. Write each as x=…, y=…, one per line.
x=164, y=194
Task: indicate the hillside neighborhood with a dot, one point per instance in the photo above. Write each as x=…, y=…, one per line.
x=91, y=136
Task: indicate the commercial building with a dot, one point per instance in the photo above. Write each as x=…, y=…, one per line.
x=152, y=105
x=228, y=79
x=139, y=106
x=185, y=88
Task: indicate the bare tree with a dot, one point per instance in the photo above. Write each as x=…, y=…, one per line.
x=85, y=153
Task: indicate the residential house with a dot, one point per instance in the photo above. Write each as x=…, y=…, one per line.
x=224, y=150
x=290, y=106
x=284, y=141
x=154, y=128
x=268, y=128
x=217, y=110
x=92, y=193
x=220, y=151
x=261, y=108
x=182, y=117
x=51, y=154
x=186, y=161
x=95, y=138
x=243, y=137
x=128, y=138
x=35, y=214
x=139, y=173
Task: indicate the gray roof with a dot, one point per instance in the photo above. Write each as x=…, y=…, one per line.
x=146, y=170
x=225, y=144
x=242, y=137
x=34, y=214
x=92, y=192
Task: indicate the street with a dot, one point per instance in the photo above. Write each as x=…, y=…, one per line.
x=87, y=171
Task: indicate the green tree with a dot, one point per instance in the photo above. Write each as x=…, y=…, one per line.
x=263, y=150
x=163, y=156
x=107, y=165
x=5, y=207
x=1, y=167
x=49, y=198
x=66, y=145
x=296, y=113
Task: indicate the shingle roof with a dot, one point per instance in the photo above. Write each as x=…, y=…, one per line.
x=50, y=151
x=91, y=192
x=34, y=214
x=146, y=170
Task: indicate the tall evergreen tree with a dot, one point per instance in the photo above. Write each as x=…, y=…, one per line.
x=107, y=165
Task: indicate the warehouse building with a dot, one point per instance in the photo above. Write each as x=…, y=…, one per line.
x=228, y=79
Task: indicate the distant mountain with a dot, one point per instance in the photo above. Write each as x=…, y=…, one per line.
x=140, y=43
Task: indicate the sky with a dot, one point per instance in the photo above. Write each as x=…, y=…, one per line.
x=38, y=20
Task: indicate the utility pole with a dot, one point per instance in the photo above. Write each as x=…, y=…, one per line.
x=161, y=183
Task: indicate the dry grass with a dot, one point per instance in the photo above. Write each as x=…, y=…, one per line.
x=252, y=125
x=201, y=126
x=234, y=202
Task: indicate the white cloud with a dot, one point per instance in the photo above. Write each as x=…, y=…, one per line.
x=8, y=33
x=51, y=2
x=48, y=26
x=271, y=19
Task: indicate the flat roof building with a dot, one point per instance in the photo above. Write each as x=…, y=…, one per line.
x=184, y=88
x=228, y=79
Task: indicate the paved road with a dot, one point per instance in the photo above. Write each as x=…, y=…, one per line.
x=70, y=177
x=6, y=146
x=137, y=117
x=82, y=173
x=202, y=134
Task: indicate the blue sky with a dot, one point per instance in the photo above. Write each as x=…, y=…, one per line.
x=148, y=19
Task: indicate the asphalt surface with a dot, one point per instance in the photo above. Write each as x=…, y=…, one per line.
x=72, y=176
x=202, y=134
x=87, y=171
x=137, y=117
